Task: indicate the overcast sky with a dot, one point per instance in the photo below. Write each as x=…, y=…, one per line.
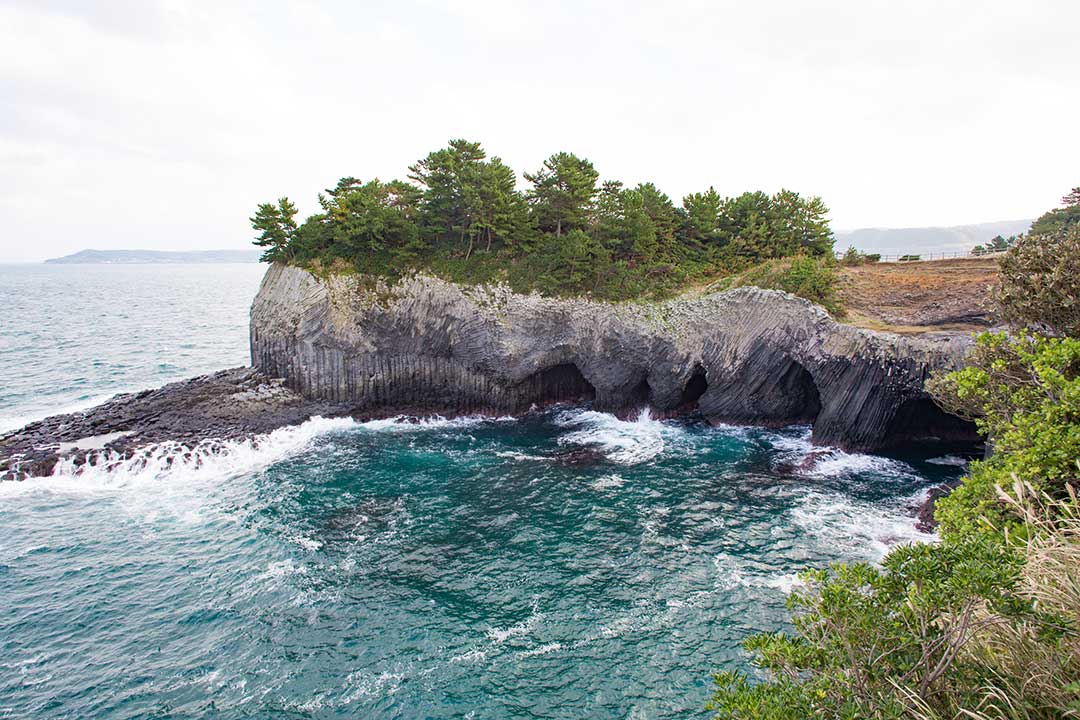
x=161, y=124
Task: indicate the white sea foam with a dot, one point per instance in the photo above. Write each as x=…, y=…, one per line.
x=407, y=423
x=542, y=650
x=623, y=441
x=607, y=482
x=172, y=463
x=858, y=529
x=826, y=461
x=469, y=656
x=514, y=455
x=951, y=460
x=733, y=572
x=521, y=629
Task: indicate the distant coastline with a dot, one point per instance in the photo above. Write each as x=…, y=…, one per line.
x=918, y=240
x=155, y=257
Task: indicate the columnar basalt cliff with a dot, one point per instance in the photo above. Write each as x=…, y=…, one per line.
x=743, y=356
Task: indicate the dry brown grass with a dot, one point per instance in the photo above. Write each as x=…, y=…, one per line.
x=1031, y=677
x=933, y=295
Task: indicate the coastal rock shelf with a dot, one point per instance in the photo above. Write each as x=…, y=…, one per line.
x=743, y=356
x=225, y=405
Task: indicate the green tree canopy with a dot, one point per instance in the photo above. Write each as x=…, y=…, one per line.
x=1060, y=218
x=563, y=191
x=461, y=215
x=276, y=225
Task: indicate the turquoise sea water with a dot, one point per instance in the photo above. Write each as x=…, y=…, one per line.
x=475, y=567
x=72, y=335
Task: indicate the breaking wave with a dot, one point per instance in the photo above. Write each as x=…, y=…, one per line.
x=207, y=460
x=859, y=529
x=829, y=462
x=628, y=442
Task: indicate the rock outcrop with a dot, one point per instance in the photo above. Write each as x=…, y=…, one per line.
x=225, y=405
x=742, y=356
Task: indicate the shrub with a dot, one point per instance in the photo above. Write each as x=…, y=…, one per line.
x=868, y=641
x=1039, y=282
x=852, y=256
x=1024, y=393
x=812, y=278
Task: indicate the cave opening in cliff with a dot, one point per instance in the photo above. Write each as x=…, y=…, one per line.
x=641, y=394
x=921, y=420
x=694, y=389
x=560, y=383
x=801, y=402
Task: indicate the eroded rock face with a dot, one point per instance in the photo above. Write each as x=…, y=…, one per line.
x=746, y=356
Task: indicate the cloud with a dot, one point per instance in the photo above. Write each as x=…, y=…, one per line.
x=161, y=124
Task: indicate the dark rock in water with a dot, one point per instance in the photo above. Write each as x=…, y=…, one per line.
x=924, y=514
x=806, y=464
x=229, y=404
x=578, y=456
x=746, y=356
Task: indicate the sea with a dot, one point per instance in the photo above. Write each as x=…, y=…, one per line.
x=564, y=564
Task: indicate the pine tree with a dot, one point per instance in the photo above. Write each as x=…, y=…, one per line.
x=563, y=192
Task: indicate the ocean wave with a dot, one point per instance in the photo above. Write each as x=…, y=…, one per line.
x=860, y=530
x=524, y=628
x=176, y=463
x=628, y=442
x=407, y=423
x=823, y=461
x=607, y=482
x=733, y=572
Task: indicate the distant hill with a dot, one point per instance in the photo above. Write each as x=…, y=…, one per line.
x=157, y=257
x=918, y=241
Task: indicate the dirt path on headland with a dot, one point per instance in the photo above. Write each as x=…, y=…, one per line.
x=917, y=297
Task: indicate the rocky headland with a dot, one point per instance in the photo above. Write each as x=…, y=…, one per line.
x=347, y=345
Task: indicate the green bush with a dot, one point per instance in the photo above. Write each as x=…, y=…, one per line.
x=1039, y=281
x=812, y=278
x=868, y=640
x=1024, y=393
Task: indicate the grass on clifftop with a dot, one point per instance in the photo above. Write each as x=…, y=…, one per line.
x=812, y=278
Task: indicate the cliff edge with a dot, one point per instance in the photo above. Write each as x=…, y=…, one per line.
x=743, y=356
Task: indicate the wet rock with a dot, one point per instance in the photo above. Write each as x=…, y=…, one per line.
x=924, y=513
x=229, y=404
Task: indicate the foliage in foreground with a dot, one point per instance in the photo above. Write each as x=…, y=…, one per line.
x=461, y=216
x=1039, y=281
x=1024, y=393
x=985, y=624
x=979, y=626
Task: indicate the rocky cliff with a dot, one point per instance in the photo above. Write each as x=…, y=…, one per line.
x=743, y=356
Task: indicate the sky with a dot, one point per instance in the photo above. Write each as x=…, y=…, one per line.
x=161, y=124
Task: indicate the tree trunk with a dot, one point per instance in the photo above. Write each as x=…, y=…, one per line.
x=558, y=227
